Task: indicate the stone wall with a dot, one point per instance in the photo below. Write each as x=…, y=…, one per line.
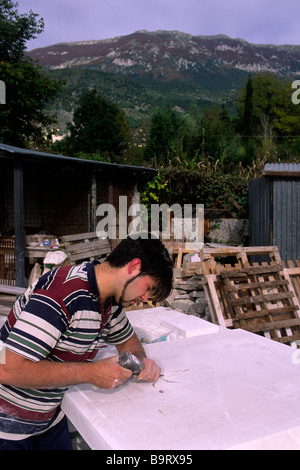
x=188, y=294
x=229, y=231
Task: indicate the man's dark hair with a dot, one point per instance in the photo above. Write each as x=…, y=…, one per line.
x=155, y=261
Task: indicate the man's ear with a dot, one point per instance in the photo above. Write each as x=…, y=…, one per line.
x=134, y=267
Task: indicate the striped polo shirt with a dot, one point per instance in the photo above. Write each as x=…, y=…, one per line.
x=59, y=318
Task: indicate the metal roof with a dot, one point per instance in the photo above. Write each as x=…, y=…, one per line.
x=282, y=169
x=105, y=165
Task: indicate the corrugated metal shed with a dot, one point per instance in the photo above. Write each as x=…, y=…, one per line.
x=282, y=169
x=274, y=209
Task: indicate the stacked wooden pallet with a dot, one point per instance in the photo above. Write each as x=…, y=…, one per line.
x=85, y=246
x=257, y=296
x=293, y=271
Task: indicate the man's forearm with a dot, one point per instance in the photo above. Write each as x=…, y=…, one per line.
x=106, y=373
x=20, y=372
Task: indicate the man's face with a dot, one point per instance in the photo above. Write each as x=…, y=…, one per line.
x=136, y=289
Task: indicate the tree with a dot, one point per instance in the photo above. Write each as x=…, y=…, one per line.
x=267, y=116
x=168, y=137
x=217, y=138
x=23, y=119
x=99, y=128
x=158, y=145
x=247, y=124
x=15, y=30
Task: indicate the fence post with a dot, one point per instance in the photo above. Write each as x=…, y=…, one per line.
x=19, y=222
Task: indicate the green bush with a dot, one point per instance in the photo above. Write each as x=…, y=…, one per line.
x=183, y=186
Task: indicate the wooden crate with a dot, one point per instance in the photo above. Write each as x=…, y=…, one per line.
x=257, y=297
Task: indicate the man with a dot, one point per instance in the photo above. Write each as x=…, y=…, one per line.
x=55, y=330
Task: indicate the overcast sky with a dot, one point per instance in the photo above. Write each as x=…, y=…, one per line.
x=256, y=21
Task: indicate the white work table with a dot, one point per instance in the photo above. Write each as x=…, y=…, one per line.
x=221, y=389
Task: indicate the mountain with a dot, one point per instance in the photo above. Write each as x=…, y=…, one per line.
x=165, y=66
x=166, y=55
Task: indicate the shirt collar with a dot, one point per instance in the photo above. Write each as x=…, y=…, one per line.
x=93, y=282
x=92, y=277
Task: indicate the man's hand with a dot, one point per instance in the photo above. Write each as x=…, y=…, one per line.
x=109, y=374
x=151, y=371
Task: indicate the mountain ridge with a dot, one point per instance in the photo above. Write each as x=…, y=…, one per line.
x=144, y=31
x=150, y=52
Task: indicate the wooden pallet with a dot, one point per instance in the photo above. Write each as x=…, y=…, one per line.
x=257, y=297
x=85, y=246
x=294, y=274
